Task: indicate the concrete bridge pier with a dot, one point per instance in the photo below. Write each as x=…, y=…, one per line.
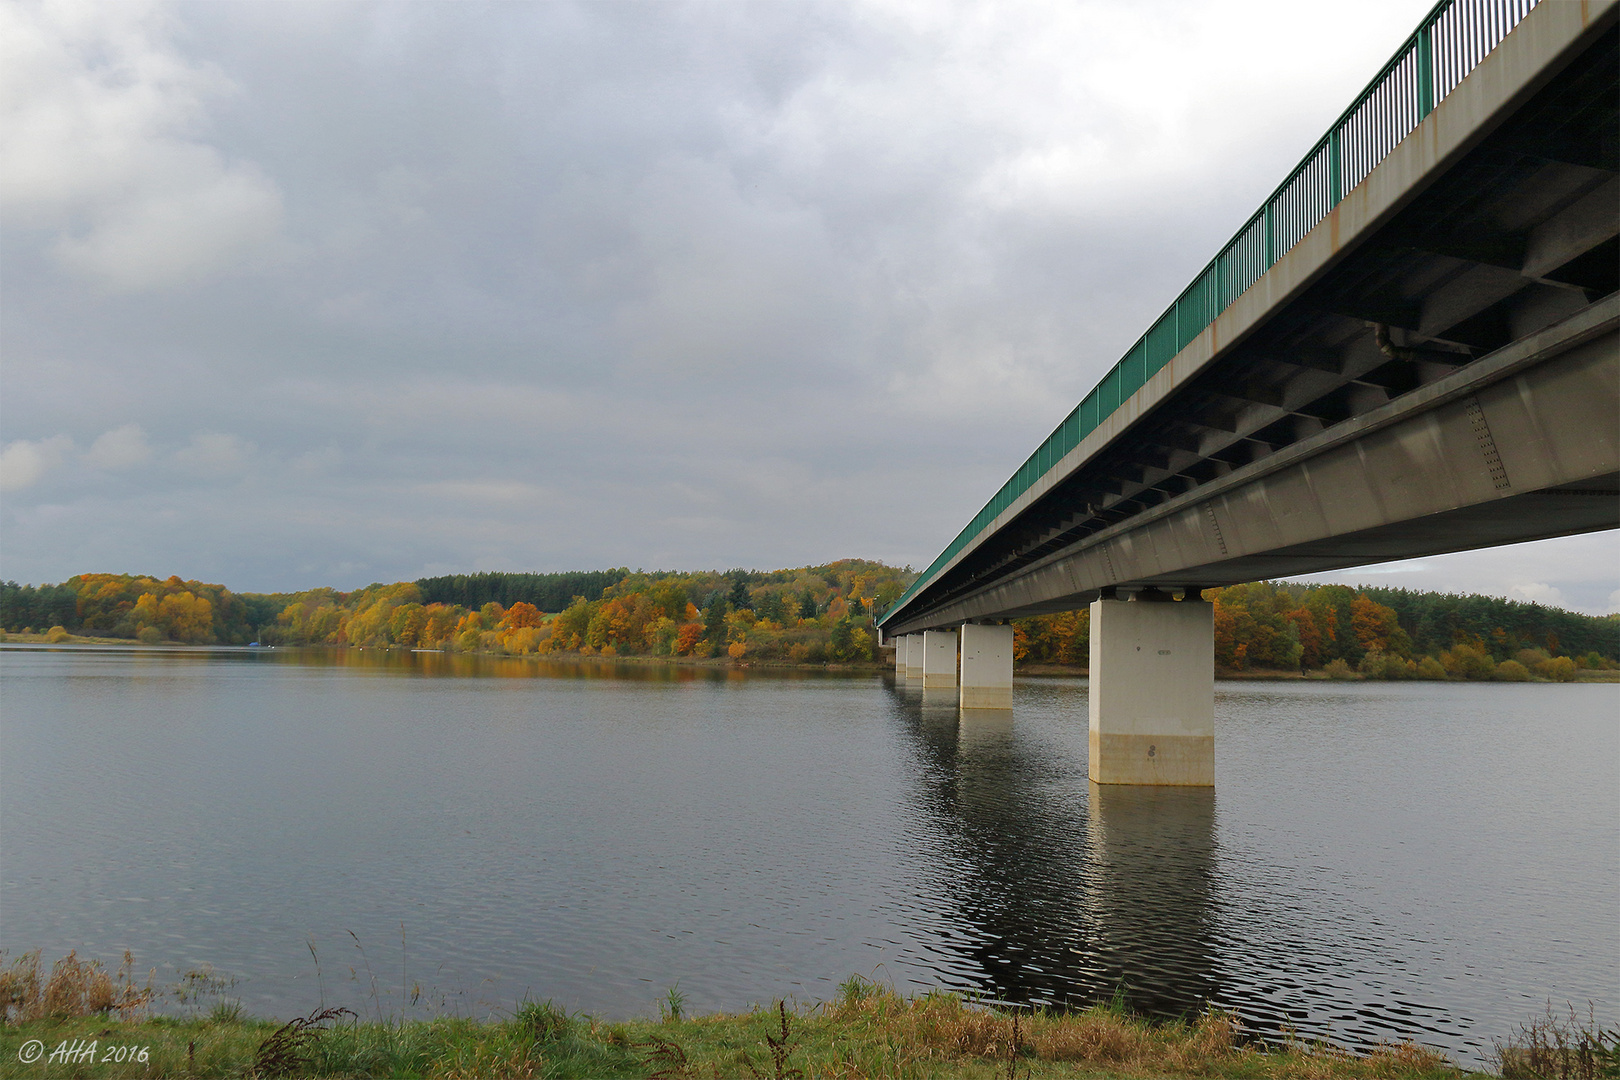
x=1153, y=690
x=987, y=666
x=939, y=659
x=914, y=658
x=900, y=658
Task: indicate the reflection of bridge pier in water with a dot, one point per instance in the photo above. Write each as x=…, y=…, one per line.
x=1149, y=925
x=1066, y=903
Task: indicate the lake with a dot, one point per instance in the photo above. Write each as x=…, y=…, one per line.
x=404, y=833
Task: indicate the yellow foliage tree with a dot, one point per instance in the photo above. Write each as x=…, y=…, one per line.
x=184, y=616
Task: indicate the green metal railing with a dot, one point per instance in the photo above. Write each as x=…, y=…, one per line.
x=1449, y=43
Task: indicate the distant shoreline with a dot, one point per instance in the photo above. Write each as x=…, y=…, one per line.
x=719, y=662
x=1032, y=671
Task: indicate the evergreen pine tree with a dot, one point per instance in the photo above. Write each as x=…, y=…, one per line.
x=839, y=642
x=714, y=619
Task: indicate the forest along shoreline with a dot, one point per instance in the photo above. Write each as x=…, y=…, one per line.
x=814, y=617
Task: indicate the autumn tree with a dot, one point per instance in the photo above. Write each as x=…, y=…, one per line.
x=1309, y=637
x=1331, y=607
x=1063, y=638
x=1377, y=628
x=569, y=629
x=190, y=617
x=669, y=597
x=522, y=614
x=405, y=623
x=687, y=638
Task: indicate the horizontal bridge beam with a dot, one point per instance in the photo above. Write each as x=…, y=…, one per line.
x=1485, y=456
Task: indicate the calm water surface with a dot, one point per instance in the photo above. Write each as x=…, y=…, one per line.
x=1377, y=860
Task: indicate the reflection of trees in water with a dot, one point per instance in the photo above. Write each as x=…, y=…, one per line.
x=428, y=662
x=1065, y=903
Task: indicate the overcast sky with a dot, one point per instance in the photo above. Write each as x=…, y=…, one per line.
x=304, y=294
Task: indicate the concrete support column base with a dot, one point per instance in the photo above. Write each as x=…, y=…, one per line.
x=1152, y=692
x=939, y=659
x=1153, y=759
x=987, y=667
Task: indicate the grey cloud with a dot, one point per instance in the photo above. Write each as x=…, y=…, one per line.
x=552, y=285
x=121, y=448
x=24, y=462
x=101, y=148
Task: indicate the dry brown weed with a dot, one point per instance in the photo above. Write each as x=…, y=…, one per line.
x=74, y=988
x=948, y=1025
x=1404, y=1058
x=1093, y=1036
x=1561, y=1048
x=1212, y=1038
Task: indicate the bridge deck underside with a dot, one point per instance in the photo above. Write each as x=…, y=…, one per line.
x=1525, y=447
x=1514, y=242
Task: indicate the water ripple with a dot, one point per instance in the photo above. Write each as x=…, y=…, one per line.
x=1376, y=861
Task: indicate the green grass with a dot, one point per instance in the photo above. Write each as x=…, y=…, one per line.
x=867, y=1032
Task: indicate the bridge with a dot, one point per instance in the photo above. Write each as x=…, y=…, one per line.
x=1412, y=347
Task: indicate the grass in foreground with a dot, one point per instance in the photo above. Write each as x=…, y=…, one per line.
x=868, y=1031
